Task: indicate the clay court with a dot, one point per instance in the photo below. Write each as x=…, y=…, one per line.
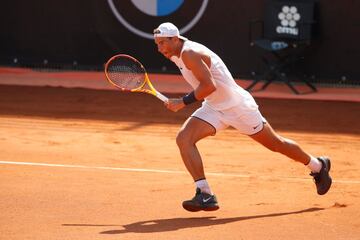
x=94, y=163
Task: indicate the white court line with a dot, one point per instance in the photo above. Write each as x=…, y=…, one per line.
x=296, y=179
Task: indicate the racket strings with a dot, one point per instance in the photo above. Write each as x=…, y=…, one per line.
x=126, y=73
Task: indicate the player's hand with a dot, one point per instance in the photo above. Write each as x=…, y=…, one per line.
x=175, y=104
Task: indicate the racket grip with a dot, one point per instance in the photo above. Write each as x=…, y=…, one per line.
x=161, y=97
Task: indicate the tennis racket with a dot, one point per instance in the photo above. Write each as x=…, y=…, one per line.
x=128, y=74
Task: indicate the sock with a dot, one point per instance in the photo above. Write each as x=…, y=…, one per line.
x=315, y=165
x=204, y=186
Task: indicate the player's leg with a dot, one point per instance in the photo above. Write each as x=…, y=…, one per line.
x=193, y=130
x=320, y=167
x=274, y=142
x=251, y=123
x=203, y=122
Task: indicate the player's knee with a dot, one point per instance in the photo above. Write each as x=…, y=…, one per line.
x=180, y=139
x=183, y=140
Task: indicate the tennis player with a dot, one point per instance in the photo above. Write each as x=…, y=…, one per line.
x=224, y=103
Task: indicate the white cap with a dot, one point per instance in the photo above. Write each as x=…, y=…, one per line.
x=168, y=30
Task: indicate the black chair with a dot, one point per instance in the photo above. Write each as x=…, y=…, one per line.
x=285, y=35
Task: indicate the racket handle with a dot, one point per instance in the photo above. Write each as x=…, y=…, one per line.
x=161, y=97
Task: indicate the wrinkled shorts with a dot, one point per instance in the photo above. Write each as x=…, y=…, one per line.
x=247, y=120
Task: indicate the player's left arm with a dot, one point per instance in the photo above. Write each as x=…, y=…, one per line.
x=199, y=64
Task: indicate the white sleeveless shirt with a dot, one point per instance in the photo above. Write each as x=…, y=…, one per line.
x=228, y=94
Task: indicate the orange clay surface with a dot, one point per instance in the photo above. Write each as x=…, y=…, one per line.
x=100, y=164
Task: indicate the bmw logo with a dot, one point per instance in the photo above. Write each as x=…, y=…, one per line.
x=157, y=8
x=142, y=16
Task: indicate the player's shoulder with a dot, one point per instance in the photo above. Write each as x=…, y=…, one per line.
x=191, y=50
x=189, y=53
x=190, y=56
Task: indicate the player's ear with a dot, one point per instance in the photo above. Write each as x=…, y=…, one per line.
x=174, y=39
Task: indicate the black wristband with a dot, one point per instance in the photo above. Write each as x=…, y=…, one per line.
x=189, y=98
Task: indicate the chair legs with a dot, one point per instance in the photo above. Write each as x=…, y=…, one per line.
x=277, y=71
x=310, y=85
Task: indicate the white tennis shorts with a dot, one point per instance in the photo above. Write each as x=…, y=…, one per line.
x=248, y=120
